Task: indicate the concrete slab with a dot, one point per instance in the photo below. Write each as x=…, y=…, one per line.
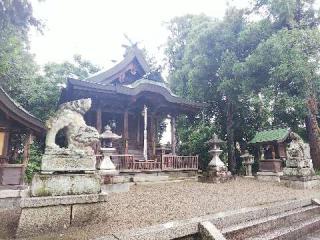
x=35, y=202
x=209, y=232
x=34, y=221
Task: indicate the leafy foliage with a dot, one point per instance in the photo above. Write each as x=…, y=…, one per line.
x=253, y=73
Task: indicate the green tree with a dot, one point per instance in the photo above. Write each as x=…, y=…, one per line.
x=203, y=67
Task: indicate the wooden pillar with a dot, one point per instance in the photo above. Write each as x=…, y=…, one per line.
x=125, y=131
x=99, y=120
x=4, y=145
x=138, y=129
x=145, y=133
x=173, y=135
x=153, y=135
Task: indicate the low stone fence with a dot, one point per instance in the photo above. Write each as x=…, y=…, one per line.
x=191, y=229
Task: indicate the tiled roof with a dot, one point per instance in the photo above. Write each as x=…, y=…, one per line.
x=272, y=135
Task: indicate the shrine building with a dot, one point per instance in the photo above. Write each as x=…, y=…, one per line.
x=133, y=100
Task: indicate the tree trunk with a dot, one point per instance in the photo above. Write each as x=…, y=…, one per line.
x=230, y=137
x=313, y=131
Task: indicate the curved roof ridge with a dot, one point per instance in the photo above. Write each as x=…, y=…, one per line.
x=148, y=81
x=20, y=114
x=107, y=73
x=136, y=88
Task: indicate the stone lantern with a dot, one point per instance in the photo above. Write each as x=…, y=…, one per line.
x=248, y=160
x=215, y=152
x=217, y=171
x=106, y=166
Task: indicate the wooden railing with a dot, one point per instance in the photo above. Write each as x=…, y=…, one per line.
x=126, y=163
x=123, y=161
x=173, y=162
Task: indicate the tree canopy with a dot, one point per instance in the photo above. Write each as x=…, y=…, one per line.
x=256, y=67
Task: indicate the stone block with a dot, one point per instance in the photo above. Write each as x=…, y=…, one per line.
x=84, y=214
x=9, y=222
x=10, y=193
x=295, y=162
x=315, y=201
x=67, y=163
x=34, y=221
x=209, y=232
x=216, y=175
x=301, y=182
x=298, y=171
x=65, y=184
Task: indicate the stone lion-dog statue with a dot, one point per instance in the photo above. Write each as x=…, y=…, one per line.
x=79, y=136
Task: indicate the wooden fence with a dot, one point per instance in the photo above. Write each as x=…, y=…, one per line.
x=126, y=163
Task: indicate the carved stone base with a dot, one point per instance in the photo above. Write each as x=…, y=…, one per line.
x=216, y=175
x=65, y=184
x=67, y=163
x=298, y=171
x=306, y=182
x=296, y=162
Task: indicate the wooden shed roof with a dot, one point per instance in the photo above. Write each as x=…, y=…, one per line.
x=272, y=135
x=16, y=112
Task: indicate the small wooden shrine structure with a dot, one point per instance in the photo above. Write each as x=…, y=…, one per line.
x=17, y=128
x=133, y=100
x=271, y=145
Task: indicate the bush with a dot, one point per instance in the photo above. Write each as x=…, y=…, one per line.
x=34, y=164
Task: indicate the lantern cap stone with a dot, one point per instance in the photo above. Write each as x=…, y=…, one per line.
x=215, y=140
x=246, y=154
x=108, y=134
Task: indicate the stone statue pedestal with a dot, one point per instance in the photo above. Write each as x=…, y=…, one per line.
x=65, y=184
x=71, y=170
x=270, y=170
x=65, y=160
x=299, y=174
x=215, y=174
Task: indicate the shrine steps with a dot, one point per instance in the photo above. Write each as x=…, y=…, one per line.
x=294, y=224
x=288, y=220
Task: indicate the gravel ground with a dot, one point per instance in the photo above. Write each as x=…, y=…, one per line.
x=146, y=205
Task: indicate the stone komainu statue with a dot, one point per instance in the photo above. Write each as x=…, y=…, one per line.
x=296, y=148
x=79, y=136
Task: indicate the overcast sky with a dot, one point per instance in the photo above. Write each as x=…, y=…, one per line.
x=95, y=28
